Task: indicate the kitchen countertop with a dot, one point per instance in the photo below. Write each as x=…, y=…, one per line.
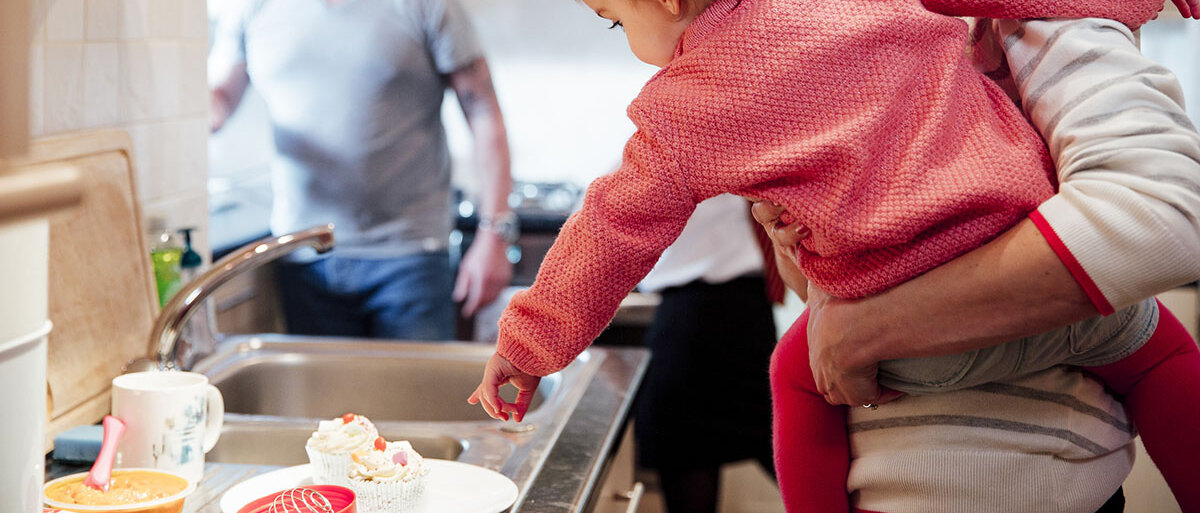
x=566, y=480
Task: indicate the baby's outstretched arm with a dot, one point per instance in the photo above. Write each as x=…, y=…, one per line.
x=627, y=219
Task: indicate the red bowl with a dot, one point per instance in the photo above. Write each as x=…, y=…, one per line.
x=340, y=497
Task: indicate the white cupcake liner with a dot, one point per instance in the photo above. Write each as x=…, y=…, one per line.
x=397, y=497
x=332, y=468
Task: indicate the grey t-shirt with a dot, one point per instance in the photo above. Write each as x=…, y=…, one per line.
x=354, y=94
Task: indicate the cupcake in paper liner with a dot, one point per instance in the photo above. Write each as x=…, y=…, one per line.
x=388, y=478
x=330, y=446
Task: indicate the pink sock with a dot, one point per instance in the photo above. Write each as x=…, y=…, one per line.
x=1161, y=385
x=812, y=451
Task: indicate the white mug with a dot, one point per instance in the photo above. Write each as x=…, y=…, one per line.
x=171, y=420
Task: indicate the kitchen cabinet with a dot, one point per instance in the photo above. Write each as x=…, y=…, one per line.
x=619, y=492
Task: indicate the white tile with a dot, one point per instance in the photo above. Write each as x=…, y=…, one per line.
x=64, y=20
x=37, y=90
x=38, y=12
x=166, y=167
x=134, y=19
x=100, y=67
x=136, y=86
x=163, y=18
x=193, y=81
x=63, y=87
x=192, y=157
x=139, y=136
x=156, y=145
x=193, y=19
x=104, y=18
x=165, y=67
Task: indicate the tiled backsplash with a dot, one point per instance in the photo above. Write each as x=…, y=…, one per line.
x=138, y=65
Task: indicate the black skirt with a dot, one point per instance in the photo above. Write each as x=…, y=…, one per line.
x=706, y=397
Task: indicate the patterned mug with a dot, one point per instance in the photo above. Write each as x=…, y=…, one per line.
x=172, y=419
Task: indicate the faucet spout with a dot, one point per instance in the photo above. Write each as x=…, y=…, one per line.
x=175, y=314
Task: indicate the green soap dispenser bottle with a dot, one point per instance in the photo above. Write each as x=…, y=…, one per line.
x=166, y=259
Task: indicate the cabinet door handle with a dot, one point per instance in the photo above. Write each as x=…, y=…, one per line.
x=634, y=496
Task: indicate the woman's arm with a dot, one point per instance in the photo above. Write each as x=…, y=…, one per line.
x=1126, y=219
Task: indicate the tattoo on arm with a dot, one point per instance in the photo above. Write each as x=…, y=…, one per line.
x=473, y=85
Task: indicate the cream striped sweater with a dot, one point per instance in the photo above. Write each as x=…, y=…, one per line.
x=1053, y=442
x=1126, y=218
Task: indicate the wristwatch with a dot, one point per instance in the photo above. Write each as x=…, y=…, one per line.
x=504, y=224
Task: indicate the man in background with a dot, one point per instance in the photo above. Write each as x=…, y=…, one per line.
x=354, y=92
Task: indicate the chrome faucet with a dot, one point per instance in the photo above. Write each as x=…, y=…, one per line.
x=164, y=337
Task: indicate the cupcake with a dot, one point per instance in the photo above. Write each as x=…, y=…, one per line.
x=388, y=477
x=329, y=448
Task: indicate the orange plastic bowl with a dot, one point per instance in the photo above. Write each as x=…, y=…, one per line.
x=340, y=497
x=171, y=504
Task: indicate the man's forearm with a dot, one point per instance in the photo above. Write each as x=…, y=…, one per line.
x=226, y=94
x=481, y=108
x=493, y=167
x=220, y=107
x=1012, y=287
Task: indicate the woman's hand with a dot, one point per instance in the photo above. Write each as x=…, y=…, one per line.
x=842, y=368
x=496, y=373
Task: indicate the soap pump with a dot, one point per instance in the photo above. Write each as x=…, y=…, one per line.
x=189, y=261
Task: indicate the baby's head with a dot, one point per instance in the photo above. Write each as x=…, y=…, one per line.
x=653, y=27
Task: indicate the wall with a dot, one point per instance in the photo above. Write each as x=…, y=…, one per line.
x=137, y=65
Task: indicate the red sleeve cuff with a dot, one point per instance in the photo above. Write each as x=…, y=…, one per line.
x=1081, y=277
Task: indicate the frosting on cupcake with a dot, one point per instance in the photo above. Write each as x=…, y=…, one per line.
x=348, y=433
x=386, y=462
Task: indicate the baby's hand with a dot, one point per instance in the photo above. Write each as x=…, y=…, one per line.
x=496, y=373
x=1188, y=8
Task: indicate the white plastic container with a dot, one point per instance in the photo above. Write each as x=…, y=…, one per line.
x=23, y=387
x=24, y=277
x=24, y=262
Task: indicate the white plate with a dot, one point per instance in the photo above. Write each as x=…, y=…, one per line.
x=449, y=486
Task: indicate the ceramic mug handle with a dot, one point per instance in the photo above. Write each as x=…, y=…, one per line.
x=216, y=418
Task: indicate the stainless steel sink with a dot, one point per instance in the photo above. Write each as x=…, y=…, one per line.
x=401, y=382
x=282, y=444
x=277, y=387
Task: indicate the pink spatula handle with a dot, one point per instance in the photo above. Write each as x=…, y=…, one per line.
x=98, y=477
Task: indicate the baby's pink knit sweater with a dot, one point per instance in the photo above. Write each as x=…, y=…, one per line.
x=862, y=118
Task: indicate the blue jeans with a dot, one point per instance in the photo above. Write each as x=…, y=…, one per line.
x=399, y=298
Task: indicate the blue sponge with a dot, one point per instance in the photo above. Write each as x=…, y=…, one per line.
x=80, y=444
